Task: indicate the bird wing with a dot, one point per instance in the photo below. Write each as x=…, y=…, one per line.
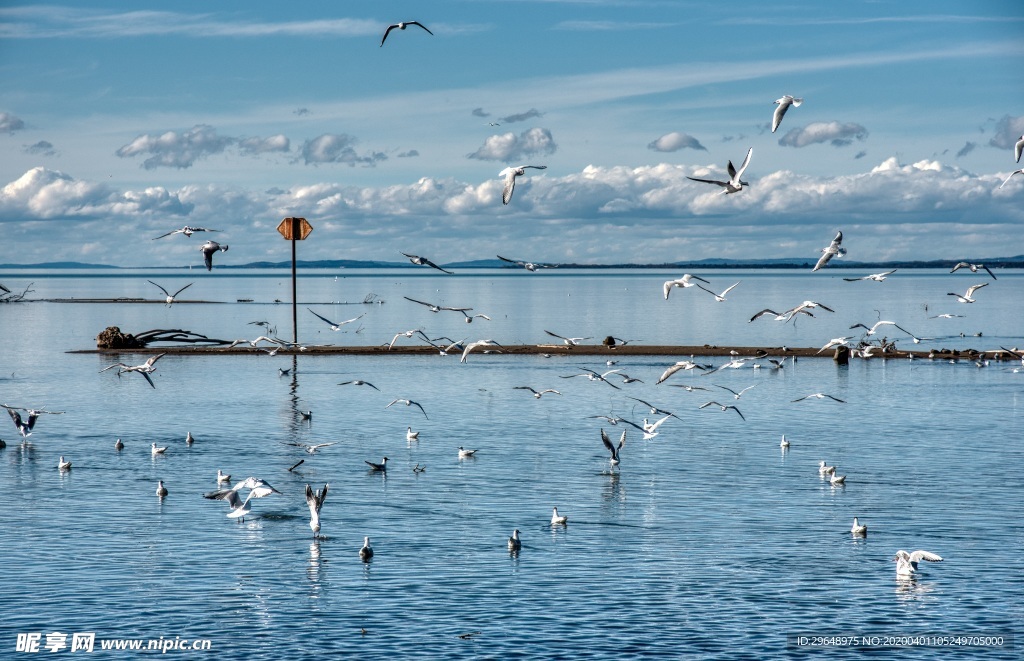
x=152, y=361
x=835, y=399
x=709, y=181
x=822, y=261
x=607, y=442
x=322, y=318
x=208, y=258
x=168, y=234
x=970, y=291
x=762, y=313
x=387, y=32
x=989, y=271
x=779, y=113
x=148, y=379
x=737, y=411
x=510, y=185
x=1017, y=149
x=553, y=335
x=917, y=556
x=158, y=286
x=435, y=266
x=180, y=290
x=420, y=408
x=419, y=24
x=727, y=290
x=743, y=166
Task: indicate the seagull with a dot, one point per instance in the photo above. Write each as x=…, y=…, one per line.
x=365, y=553
x=858, y=529
x=819, y=395
x=222, y=477
x=681, y=365
x=833, y=250
x=145, y=369
x=785, y=316
x=719, y=297
x=735, y=394
x=784, y=444
x=513, y=542
x=614, y=449
x=835, y=342
x=258, y=488
x=24, y=426
x=529, y=266
x=906, y=563
x=189, y=439
x=1018, y=148
x=170, y=296
x=569, y=341
x=337, y=326
x=836, y=480
x=558, y=520
x=784, y=103
x=465, y=454
x=735, y=184
x=682, y=282
x=687, y=388
x=311, y=449
x=408, y=402
x=63, y=465
x=723, y=407
x=423, y=261
x=402, y=26
x=161, y=490
x=973, y=268
x=1007, y=180
x=408, y=333
x=968, y=297
x=359, y=382
x=315, y=502
x=476, y=345
x=187, y=230
x=873, y=329
x=651, y=428
x=946, y=316
x=877, y=277
x=411, y=435
x=157, y=450
x=654, y=409
x=118, y=445
x=594, y=376
x=208, y=249
x=382, y=467
x=824, y=469
x=510, y=174
x=537, y=393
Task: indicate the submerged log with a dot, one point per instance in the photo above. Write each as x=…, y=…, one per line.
x=842, y=355
x=113, y=338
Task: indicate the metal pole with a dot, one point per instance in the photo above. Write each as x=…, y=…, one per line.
x=295, y=314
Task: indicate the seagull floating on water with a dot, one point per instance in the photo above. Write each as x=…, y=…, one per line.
x=423, y=261
x=189, y=438
x=973, y=268
x=557, y=520
x=222, y=477
x=968, y=297
x=858, y=528
x=825, y=469
x=684, y=282
x=170, y=296
x=784, y=103
x=154, y=450
x=118, y=445
x=366, y=553
x=514, y=544
x=315, y=502
x=63, y=465
x=735, y=184
x=834, y=249
x=906, y=563
x=187, y=230
x=784, y=444
x=411, y=435
x=402, y=26
x=465, y=454
x=510, y=174
x=382, y=467
x=208, y=249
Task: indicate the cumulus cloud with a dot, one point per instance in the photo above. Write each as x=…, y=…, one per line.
x=41, y=148
x=275, y=143
x=966, y=149
x=836, y=133
x=675, y=141
x=9, y=123
x=176, y=150
x=337, y=148
x=1008, y=132
x=522, y=116
x=479, y=112
x=509, y=147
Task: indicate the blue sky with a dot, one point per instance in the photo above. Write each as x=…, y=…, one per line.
x=124, y=120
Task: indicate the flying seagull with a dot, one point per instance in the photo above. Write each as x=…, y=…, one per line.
x=614, y=449
x=785, y=316
x=537, y=393
x=1007, y=180
x=510, y=174
x=833, y=250
x=723, y=407
x=423, y=261
x=718, y=297
x=359, y=382
x=208, y=249
x=187, y=230
x=25, y=426
x=968, y=297
x=1018, y=148
x=681, y=365
x=315, y=502
x=874, y=329
x=311, y=449
x=408, y=402
x=170, y=296
x=529, y=266
x=973, y=268
x=145, y=369
x=336, y=326
x=476, y=345
x=257, y=487
x=402, y=26
x=819, y=395
x=877, y=277
x=570, y=341
x=439, y=308
x=906, y=563
x=735, y=183
x=681, y=282
x=784, y=103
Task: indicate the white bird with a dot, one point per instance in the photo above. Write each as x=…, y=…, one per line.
x=833, y=250
x=873, y=329
x=189, y=439
x=423, y=261
x=311, y=448
x=679, y=366
x=723, y=407
x=824, y=469
x=408, y=402
x=877, y=277
x=258, y=488
x=63, y=465
x=785, y=316
x=569, y=341
x=402, y=26
x=118, y=445
x=465, y=454
x=337, y=326
x=145, y=369
x=408, y=333
x=186, y=230
x=537, y=393
x=858, y=528
x=24, y=426
x=161, y=490
x=1018, y=148
x=170, y=296
x=784, y=103
x=594, y=376
x=556, y=519
x=154, y=450
x=315, y=502
x=222, y=477
x=359, y=382
x=684, y=282
x=735, y=183
x=819, y=395
x=411, y=435
x=529, y=266
x=514, y=544
x=651, y=428
x=365, y=553
x=784, y=444
x=836, y=480
x=208, y=249
x=476, y=345
x=968, y=297
x=382, y=467
x=906, y=563
x=614, y=449
x=735, y=394
x=973, y=268
x=510, y=174
x=719, y=297
x=836, y=342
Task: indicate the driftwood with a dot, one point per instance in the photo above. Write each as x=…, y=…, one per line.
x=7, y=296
x=113, y=338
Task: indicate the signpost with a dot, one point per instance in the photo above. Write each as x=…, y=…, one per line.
x=294, y=229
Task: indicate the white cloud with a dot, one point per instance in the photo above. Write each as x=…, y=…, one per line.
x=509, y=147
x=337, y=148
x=839, y=135
x=674, y=142
x=1008, y=132
x=174, y=149
x=9, y=123
x=275, y=143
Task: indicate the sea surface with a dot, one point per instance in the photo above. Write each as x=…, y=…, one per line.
x=706, y=541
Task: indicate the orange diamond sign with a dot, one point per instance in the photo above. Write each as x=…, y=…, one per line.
x=297, y=228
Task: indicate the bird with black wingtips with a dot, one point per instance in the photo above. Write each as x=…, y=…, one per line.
x=315, y=502
x=401, y=26
x=510, y=174
x=170, y=296
x=423, y=261
x=208, y=249
x=735, y=184
x=834, y=249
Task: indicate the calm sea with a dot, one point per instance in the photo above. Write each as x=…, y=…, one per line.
x=706, y=541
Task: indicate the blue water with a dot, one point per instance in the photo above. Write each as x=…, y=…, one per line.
x=707, y=540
